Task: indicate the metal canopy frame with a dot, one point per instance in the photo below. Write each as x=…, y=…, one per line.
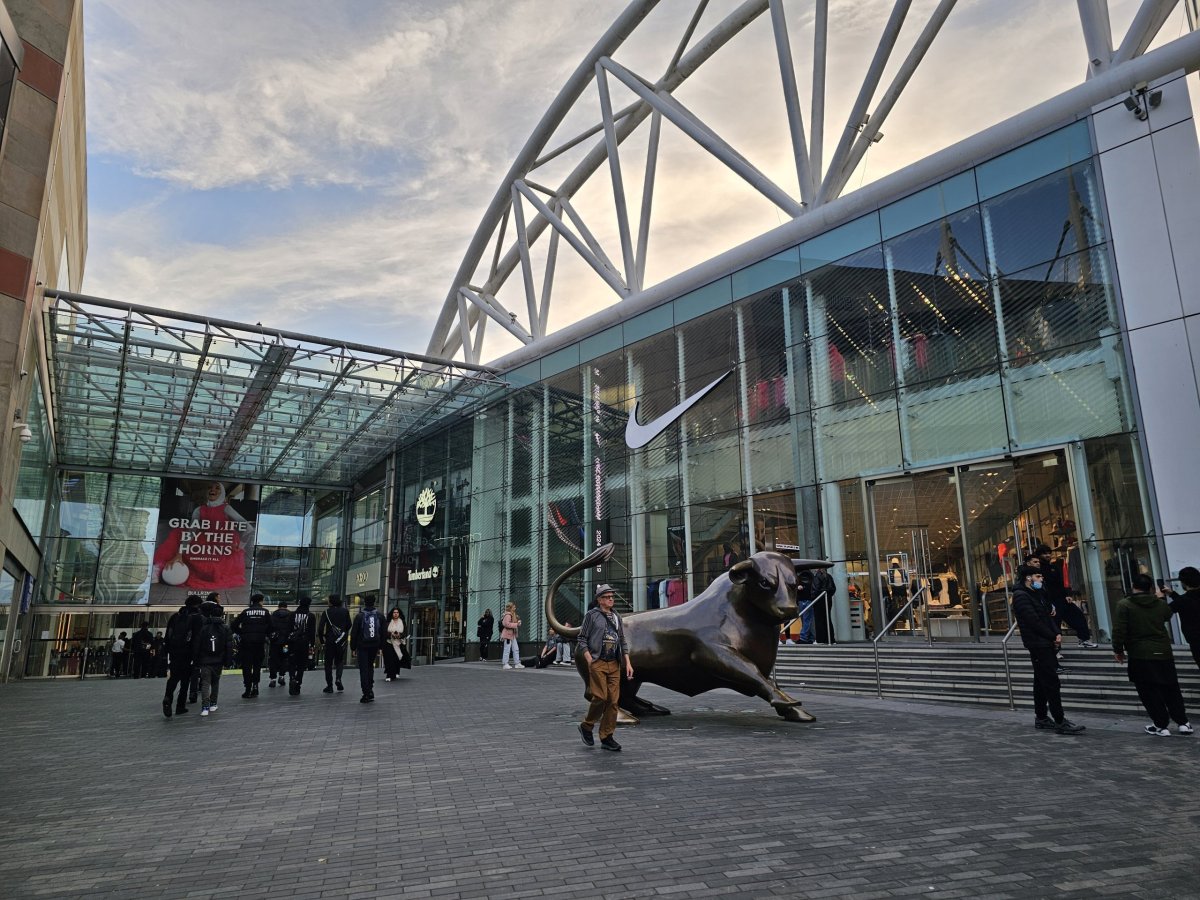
x=821, y=179
x=138, y=389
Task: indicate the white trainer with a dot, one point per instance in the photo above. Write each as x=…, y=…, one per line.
x=1185, y=728
x=204, y=712
x=213, y=708
x=1157, y=732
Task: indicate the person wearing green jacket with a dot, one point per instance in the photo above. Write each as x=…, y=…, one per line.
x=1139, y=632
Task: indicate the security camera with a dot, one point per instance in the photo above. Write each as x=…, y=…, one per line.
x=26, y=435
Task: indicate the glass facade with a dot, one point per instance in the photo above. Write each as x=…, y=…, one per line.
x=974, y=320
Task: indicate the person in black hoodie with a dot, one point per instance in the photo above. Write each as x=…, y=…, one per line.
x=366, y=637
x=302, y=636
x=333, y=633
x=142, y=643
x=483, y=630
x=1187, y=607
x=1041, y=637
x=253, y=627
x=212, y=648
x=281, y=627
x=182, y=628
x=1140, y=632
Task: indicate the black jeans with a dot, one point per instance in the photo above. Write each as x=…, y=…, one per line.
x=251, y=653
x=366, y=669
x=1046, y=689
x=335, y=657
x=483, y=647
x=180, y=676
x=277, y=661
x=297, y=658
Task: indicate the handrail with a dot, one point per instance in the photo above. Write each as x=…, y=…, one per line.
x=788, y=624
x=886, y=628
x=1012, y=703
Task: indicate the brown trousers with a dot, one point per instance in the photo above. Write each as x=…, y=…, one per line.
x=604, y=684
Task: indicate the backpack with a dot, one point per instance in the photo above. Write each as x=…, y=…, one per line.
x=372, y=628
x=299, y=633
x=212, y=637
x=178, y=629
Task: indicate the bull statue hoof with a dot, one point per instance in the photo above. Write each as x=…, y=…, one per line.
x=795, y=713
x=727, y=637
x=624, y=718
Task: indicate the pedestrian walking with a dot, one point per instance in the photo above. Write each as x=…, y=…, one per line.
x=334, y=633
x=142, y=645
x=1041, y=637
x=366, y=637
x=302, y=640
x=395, y=649
x=281, y=627
x=253, y=628
x=194, y=686
x=1140, y=633
x=182, y=628
x=606, y=653
x=510, y=627
x=484, y=629
x=116, y=651
x=1187, y=607
x=212, y=648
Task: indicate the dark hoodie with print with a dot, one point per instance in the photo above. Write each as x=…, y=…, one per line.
x=213, y=643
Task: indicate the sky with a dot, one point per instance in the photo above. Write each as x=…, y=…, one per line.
x=320, y=166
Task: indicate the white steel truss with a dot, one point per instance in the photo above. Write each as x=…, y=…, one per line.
x=531, y=208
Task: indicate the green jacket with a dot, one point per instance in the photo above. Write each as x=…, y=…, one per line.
x=1139, y=628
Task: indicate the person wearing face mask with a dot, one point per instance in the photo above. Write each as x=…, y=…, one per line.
x=1041, y=637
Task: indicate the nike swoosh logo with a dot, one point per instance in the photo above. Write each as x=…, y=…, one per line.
x=640, y=435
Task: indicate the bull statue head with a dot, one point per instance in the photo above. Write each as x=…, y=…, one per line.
x=768, y=581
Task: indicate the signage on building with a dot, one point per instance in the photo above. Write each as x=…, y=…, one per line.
x=363, y=578
x=426, y=507
x=639, y=435
x=424, y=574
x=26, y=593
x=204, y=541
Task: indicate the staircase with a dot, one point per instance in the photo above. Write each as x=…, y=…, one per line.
x=970, y=674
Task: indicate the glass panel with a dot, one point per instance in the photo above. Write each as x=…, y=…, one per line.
x=560, y=361
x=277, y=572
x=1047, y=154
x=928, y=205
x=283, y=517
x=81, y=513
x=74, y=574
x=1044, y=221
x=719, y=539
x=703, y=300
x=992, y=503
x=714, y=468
x=858, y=440
x=943, y=422
x=944, y=304
x=35, y=477
x=599, y=344
x=8, y=588
x=862, y=596
x=124, y=572
x=132, y=511
x=1068, y=393
x=766, y=274
x=366, y=534
x=648, y=324
x=840, y=242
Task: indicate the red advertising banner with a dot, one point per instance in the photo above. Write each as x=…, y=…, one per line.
x=205, y=540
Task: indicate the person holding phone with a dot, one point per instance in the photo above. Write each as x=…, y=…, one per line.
x=1187, y=607
x=1139, y=632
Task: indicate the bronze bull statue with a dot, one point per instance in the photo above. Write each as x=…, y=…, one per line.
x=725, y=638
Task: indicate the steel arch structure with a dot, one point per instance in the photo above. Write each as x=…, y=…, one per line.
x=522, y=209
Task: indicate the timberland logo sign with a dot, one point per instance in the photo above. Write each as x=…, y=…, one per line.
x=637, y=435
x=424, y=574
x=426, y=507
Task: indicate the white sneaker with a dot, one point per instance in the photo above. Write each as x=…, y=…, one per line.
x=204, y=712
x=1185, y=728
x=1157, y=732
x=519, y=666
x=213, y=708
x=1088, y=645
x=507, y=666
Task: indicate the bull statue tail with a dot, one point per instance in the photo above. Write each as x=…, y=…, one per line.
x=594, y=558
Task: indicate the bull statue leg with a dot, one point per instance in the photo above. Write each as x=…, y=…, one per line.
x=743, y=676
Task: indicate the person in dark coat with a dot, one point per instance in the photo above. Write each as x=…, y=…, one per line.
x=281, y=627
x=1139, y=632
x=484, y=629
x=1041, y=637
x=253, y=628
x=1067, y=612
x=142, y=643
x=182, y=628
x=212, y=650
x=1187, y=607
x=302, y=638
x=366, y=637
x=333, y=633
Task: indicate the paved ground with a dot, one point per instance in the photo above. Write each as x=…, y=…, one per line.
x=465, y=781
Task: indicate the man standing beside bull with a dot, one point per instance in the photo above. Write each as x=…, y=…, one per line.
x=606, y=652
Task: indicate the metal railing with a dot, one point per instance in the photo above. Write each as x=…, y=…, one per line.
x=888, y=627
x=824, y=595
x=1012, y=703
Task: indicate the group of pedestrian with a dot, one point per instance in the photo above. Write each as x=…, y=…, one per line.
x=200, y=644
x=1141, y=641
x=138, y=657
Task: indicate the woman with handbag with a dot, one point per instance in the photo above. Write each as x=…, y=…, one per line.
x=510, y=624
x=395, y=649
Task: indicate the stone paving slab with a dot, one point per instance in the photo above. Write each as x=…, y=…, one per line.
x=466, y=781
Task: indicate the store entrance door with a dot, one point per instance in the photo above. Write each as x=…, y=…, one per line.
x=422, y=628
x=957, y=535
x=919, y=555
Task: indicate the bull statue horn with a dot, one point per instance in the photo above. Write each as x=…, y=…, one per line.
x=594, y=558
